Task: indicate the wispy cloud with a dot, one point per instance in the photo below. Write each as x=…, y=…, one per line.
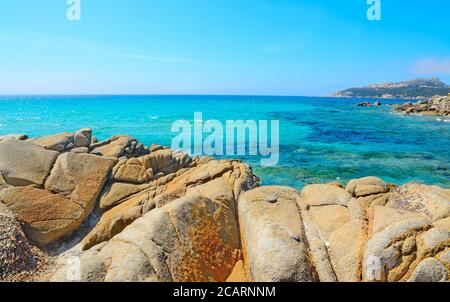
x=432, y=66
x=88, y=48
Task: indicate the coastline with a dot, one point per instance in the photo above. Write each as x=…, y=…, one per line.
x=435, y=106
x=202, y=219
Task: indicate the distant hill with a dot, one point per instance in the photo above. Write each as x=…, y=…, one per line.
x=418, y=88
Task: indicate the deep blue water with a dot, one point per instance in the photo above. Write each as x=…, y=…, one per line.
x=321, y=139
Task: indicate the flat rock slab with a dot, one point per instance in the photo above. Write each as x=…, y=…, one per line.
x=46, y=217
x=23, y=163
x=80, y=178
x=319, y=195
x=430, y=200
x=56, y=142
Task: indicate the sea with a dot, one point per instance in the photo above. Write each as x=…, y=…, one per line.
x=321, y=139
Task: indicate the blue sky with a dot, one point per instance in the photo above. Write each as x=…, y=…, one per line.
x=274, y=47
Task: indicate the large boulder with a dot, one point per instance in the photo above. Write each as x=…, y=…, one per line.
x=23, y=163
x=46, y=217
x=346, y=246
x=115, y=220
x=367, y=186
x=390, y=254
x=430, y=270
x=133, y=170
x=318, y=250
x=190, y=239
x=220, y=181
x=15, y=253
x=116, y=193
x=381, y=217
x=82, y=138
x=273, y=238
x=64, y=141
x=119, y=146
x=19, y=137
x=80, y=178
x=147, y=168
x=430, y=200
x=320, y=195
x=328, y=219
x=57, y=142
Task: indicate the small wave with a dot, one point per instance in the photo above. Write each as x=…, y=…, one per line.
x=155, y=117
x=37, y=118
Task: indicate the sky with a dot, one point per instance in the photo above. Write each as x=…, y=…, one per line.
x=245, y=47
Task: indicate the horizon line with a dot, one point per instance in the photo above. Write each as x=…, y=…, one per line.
x=158, y=94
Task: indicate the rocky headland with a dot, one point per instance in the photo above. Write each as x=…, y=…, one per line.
x=413, y=89
x=74, y=209
x=435, y=106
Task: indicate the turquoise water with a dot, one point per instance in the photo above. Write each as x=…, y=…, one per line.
x=321, y=139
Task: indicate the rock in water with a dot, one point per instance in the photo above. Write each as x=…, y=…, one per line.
x=273, y=239
x=23, y=163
